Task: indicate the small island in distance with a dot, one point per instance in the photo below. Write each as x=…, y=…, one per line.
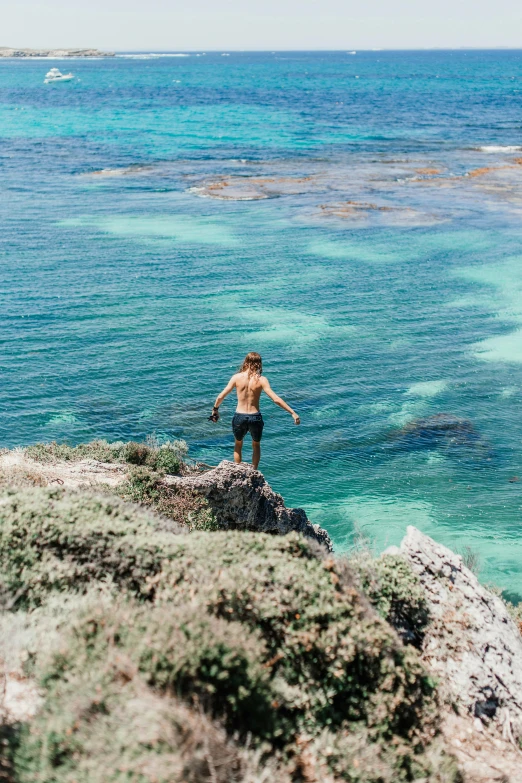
x=7, y=52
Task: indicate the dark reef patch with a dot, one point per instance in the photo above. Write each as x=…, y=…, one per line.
x=443, y=431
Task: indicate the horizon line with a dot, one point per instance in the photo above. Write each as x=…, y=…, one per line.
x=153, y=50
x=344, y=49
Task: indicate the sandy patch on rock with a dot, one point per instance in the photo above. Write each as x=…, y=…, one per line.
x=17, y=468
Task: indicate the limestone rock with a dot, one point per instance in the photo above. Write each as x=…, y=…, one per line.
x=10, y=52
x=472, y=645
x=241, y=499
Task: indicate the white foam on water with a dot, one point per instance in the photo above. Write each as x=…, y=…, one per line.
x=427, y=389
x=507, y=392
x=326, y=412
x=497, y=148
x=376, y=407
x=435, y=458
x=399, y=344
x=63, y=417
x=408, y=412
x=150, y=56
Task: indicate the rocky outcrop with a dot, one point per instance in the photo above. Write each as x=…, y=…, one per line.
x=472, y=645
x=241, y=499
x=239, y=496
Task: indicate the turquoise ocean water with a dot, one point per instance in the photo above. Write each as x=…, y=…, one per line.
x=355, y=218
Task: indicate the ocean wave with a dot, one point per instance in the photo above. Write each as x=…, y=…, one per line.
x=151, y=56
x=498, y=148
x=121, y=172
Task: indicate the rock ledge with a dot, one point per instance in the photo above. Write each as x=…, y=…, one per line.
x=241, y=499
x=472, y=643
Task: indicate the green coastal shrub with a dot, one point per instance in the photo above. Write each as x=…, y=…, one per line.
x=213, y=663
x=328, y=654
x=254, y=630
x=396, y=593
x=108, y=726
x=319, y=636
x=167, y=457
x=9, y=746
x=54, y=540
x=183, y=506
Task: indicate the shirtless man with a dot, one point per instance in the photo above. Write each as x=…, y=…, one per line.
x=249, y=383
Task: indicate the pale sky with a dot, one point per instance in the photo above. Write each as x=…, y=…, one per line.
x=151, y=25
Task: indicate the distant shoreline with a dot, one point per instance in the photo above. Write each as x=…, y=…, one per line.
x=8, y=52
x=26, y=53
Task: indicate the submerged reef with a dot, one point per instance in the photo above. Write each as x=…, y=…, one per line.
x=390, y=192
x=444, y=431
x=150, y=631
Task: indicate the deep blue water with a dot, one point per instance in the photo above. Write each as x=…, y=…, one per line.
x=355, y=218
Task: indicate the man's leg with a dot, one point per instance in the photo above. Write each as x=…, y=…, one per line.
x=256, y=453
x=238, y=445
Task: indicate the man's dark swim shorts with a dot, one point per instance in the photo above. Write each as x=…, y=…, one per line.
x=248, y=422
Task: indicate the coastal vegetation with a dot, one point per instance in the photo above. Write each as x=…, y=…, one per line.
x=165, y=649
x=148, y=463
x=167, y=456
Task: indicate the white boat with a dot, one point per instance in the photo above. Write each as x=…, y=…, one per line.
x=55, y=75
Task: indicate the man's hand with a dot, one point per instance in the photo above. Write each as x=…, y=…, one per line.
x=297, y=420
x=214, y=416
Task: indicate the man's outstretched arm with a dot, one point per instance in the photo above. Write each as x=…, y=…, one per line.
x=278, y=400
x=219, y=399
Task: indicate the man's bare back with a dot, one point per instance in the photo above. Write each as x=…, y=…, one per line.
x=248, y=390
x=249, y=383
